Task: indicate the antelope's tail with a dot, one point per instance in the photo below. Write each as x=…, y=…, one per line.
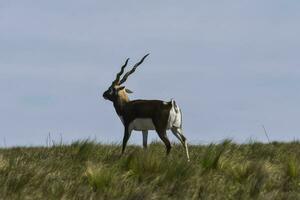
x=178, y=113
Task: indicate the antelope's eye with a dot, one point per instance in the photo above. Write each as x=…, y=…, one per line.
x=111, y=91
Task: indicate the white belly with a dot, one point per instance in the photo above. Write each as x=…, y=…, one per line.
x=142, y=124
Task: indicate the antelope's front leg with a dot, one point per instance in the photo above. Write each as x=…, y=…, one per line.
x=145, y=138
x=125, y=138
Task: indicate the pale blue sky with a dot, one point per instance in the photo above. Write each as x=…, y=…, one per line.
x=231, y=66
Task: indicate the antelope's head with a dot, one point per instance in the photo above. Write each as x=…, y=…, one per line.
x=116, y=89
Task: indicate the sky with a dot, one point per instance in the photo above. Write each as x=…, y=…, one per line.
x=232, y=67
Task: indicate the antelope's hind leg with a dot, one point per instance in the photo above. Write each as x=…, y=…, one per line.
x=160, y=124
x=163, y=136
x=179, y=135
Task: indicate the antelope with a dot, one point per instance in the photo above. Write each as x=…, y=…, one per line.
x=145, y=115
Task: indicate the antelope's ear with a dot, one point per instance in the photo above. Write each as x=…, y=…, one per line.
x=128, y=91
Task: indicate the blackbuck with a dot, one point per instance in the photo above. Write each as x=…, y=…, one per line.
x=144, y=115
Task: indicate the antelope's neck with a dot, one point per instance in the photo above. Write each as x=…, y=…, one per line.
x=119, y=105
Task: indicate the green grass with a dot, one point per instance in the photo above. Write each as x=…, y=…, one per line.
x=87, y=170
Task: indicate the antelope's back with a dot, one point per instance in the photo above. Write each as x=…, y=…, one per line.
x=148, y=108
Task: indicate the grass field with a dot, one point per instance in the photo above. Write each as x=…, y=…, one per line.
x=87, y=170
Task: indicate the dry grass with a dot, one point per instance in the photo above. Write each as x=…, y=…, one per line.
x=87, y=170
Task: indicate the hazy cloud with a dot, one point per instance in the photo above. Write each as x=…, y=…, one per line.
x=232, y=66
